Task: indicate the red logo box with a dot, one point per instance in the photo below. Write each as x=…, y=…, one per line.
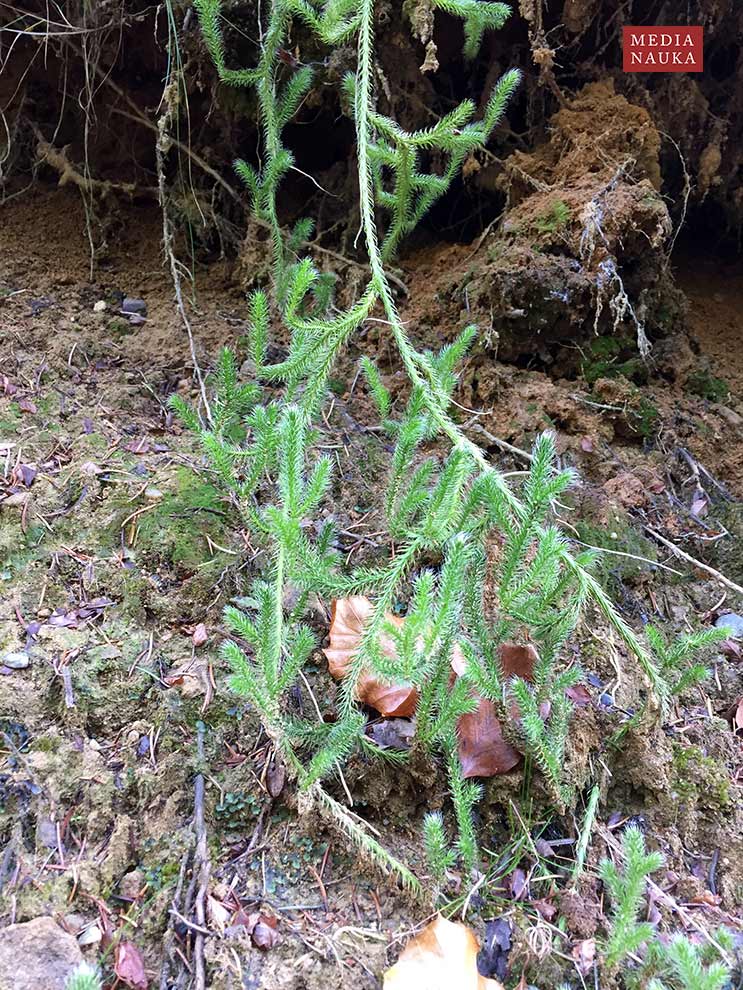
x=663, y=48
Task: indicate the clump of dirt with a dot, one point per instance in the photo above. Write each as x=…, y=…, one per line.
x=580, y=249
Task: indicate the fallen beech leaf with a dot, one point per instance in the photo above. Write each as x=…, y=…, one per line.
x=483, y=752
x=516, y=660
x=129, y=966
x=442, y=957
x=27, y=405
x=579, y=695
x=347, y=620
x=262, y=928
x=140, y=446
x=200, y=635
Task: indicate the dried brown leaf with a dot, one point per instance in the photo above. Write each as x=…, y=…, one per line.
x=348, y=618
x=140, y=446
x=443, y=956
x=579, y=695
x=584, y=955
x=129, y=966
x=264, y=934
x=483, y=752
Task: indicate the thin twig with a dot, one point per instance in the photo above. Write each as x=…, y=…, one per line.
x=683, y=555
x=503, y=444
x=202, y=867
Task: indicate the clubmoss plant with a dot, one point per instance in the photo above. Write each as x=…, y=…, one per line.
x=84, y=977
x=627, y=890
x=444, y=509
x=687, y=966
x=675, y=661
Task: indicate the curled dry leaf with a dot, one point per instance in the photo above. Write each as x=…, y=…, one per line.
x=129, y=966
x=217, y=913
x=192, y=678
x=347, y=620
x=262, y=928
x=443, y=956
x=264, y=934
x=483, y=751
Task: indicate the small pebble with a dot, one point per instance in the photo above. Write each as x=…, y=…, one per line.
x=92, y=935
x=16, y=661
x=131, y=305
x=734, y=622
x=100, y=306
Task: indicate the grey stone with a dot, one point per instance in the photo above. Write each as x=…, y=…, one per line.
x=131, y=305
x=16, y=661
x=733, y=621
x=37, y=954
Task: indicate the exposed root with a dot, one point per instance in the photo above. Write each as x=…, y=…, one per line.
x=70, y=175
x=162, y=146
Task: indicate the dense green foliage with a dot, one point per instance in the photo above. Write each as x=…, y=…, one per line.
x=442, y=507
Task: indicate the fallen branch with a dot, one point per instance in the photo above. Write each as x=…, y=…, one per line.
x=202, y=868
x=503, y=444
x=683, y=555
